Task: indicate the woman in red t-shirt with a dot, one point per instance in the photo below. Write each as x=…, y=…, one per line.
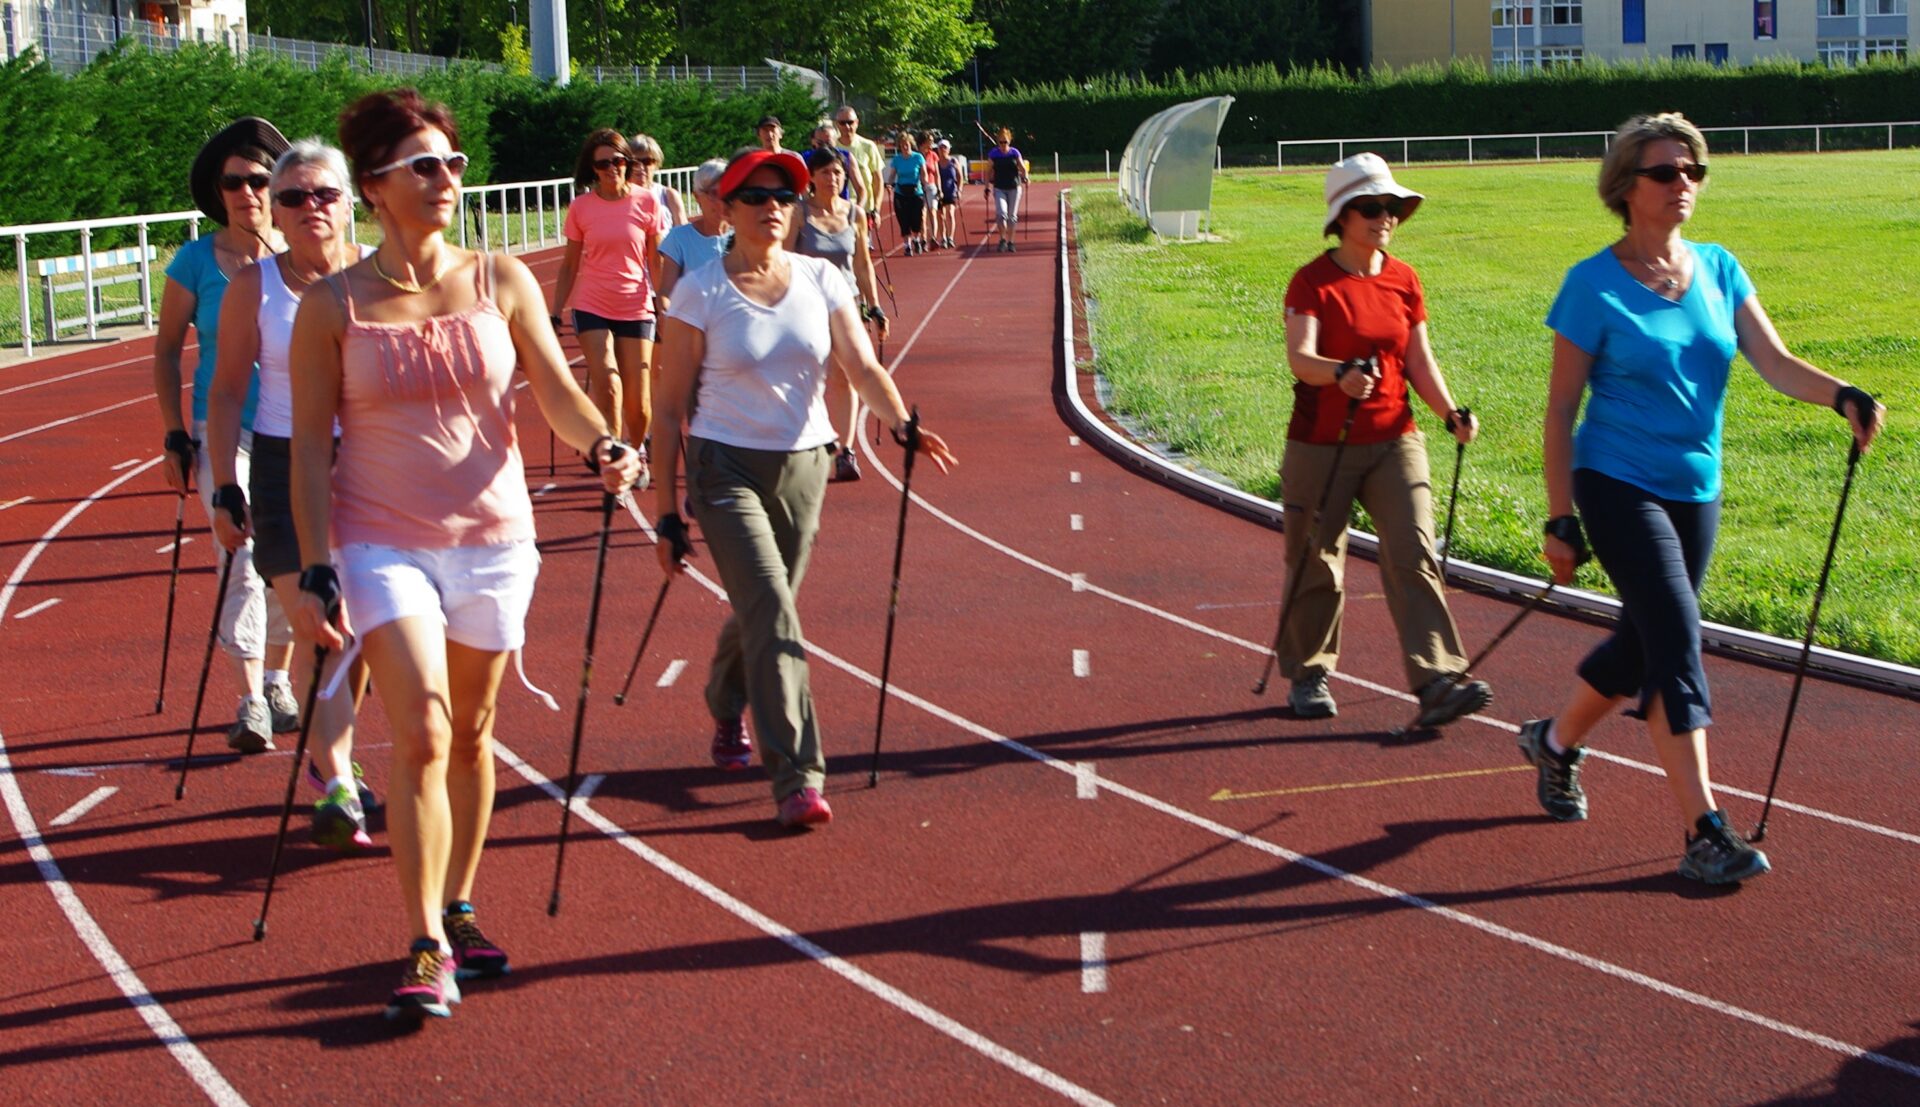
x=1356, y=342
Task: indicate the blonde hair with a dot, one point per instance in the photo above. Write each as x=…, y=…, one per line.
x=1617, y=176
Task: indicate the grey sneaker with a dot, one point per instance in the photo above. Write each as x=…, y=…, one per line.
x=1445, y=699
x=1718, y=855
x=252, y=729
x=283, y=708
x=1560, y=793
x=1310, y=699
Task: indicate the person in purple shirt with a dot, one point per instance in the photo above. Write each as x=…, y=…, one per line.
x=1008, y=175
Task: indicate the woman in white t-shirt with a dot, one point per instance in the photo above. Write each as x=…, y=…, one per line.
x=746, y=349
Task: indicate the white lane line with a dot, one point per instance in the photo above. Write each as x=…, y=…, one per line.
x=1086, y=782
x=168, y=548
x=1082, y=663
x=68, y=772
x=1073, y=476
x=92, y=800
x=1076, y=522
x=1079, y=582
x=147, y=357
x=148, y=398
x=188, y=1055
x=674, y=669
x=125, y=464
x=546, y=488
x=15, y=503
x=854, y=975
x=587, y=788
x=1093, y=961
x=37, y=608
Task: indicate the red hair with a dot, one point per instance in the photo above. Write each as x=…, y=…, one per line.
x=377, y=123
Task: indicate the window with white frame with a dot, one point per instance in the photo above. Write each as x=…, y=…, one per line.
x=1841, y=51
x=1513, y=13
x=1560, y=13
x=1552, y=56
x=1885, y=48
x=1838, y=7
x=1886, y=7
x=1503, y=59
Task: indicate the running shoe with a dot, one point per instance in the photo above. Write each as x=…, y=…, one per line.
x=732, y=750
x=368, y=801
x=1447, y=698
x=252, y=729
x=805, y=808
x=427, y=987
x=339, y=822
x=283, y=708
x=846, y=465
x=1561, y=796
x=1311, y=699
x=1718, y=855
x=473, y=954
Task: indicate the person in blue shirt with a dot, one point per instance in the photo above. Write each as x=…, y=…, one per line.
x=1646, y=330
x=906, y=172
x=228, y=182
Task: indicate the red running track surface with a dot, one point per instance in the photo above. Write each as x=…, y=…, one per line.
x=1074, y=766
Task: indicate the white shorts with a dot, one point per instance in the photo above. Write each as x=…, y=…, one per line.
x=479, y=593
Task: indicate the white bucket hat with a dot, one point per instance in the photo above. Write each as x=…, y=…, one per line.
x=1363, y=175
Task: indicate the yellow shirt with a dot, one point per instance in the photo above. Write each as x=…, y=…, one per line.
x=867, y=161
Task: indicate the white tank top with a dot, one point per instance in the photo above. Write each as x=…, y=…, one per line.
x=273, y=416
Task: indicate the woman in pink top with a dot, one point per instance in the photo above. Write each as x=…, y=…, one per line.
x=609, y=272
x=425, y=511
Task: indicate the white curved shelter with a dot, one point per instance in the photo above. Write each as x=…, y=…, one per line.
x=1166, y=173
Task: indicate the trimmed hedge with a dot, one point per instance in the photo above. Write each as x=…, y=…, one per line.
x=1464, y=98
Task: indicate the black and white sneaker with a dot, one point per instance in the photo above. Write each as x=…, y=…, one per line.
x=1718, y=855
x=1561, y=796
x=1311, y=699
x=1445, y=699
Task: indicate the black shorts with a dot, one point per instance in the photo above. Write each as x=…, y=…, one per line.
x=584, y=321
x=949, y=197
x=276, y=548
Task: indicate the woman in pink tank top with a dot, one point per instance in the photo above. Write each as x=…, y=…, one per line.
x=423, y=522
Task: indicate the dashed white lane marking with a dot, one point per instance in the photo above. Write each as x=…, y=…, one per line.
x=168, y=548
x=1093, y=961
x=92, y=800
x=1073, y=477
x=588, y=787
x=672, y=673
x=88, y=372
x=15, y=503
x=175, y=1039
x=1082, y=663
x=1076, y=522
x=1079, y=582
x=68, y=772
x=546, y=488
x=127, y=464
x=146, y=399
x=1073, y=440
x=1086, y=782
x=36, y=608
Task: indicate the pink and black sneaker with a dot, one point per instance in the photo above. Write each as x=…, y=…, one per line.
x=473, y=954
x=732, y=750
x=427, y=987
x=805, y=808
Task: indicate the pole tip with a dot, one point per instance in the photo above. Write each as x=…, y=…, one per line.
x=873, y=779
x=259, y=929
x=619, y=699
x=179, y=792
x=1759, y=833
x=159, y=705
x=553, y=905
x=1260, y=689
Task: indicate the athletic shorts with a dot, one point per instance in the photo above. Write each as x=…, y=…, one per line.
x=479, y=593
x=584, y=321
x=908, y=207
x=949, y=197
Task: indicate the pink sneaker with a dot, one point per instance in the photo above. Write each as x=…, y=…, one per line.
x=427, y=987
x=732, y=750
x=807, y=807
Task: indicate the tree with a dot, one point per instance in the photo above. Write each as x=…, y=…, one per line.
x=1050, y=40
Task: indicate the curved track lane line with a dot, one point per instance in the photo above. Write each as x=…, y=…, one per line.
x=196, y=1064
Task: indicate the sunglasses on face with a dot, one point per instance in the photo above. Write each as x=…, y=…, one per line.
x=1372, y=208
x=1669, y=173
x=427, y=166
x=846, y=122
x=234, y=182
x=301, y=197
x=757, y=197
x=614, y=162
x=646, y=161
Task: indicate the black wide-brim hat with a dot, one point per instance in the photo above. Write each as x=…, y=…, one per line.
x=204, y=178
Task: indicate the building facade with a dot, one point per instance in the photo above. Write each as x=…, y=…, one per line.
x=69, y=32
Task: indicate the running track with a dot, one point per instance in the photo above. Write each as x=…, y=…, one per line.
x=1096, y=869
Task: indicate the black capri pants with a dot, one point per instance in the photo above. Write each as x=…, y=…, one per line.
x=1656, y=553
x=908, y=206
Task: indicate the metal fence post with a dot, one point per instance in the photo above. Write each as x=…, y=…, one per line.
x=146, y=280
x=1279, y=156
x=26, y=305
x=1469, y=149
x=86, y=267
x=1108, y=154
x=1056, y=166
x=486, y=228
x=1816, y=138
x=1746, y=141
x=1536, y=147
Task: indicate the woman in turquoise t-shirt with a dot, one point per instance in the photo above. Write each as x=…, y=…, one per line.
x=1647, y=329
x=905, y=171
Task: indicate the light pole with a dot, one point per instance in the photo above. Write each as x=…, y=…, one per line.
x=979, y=125
x=369, y=34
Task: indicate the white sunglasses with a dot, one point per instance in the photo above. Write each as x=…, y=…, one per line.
x=426, y=166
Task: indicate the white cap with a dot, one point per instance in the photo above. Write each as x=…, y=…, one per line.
x=1363, y=175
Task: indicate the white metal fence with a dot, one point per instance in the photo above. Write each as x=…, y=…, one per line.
x=1814, y=137
x=514, y=217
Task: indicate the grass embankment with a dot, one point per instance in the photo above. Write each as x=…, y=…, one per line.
x=1189, y=339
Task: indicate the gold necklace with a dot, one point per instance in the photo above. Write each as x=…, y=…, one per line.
x=403, y=285
x=330, y=267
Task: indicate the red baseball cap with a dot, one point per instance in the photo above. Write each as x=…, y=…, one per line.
x=742, y=167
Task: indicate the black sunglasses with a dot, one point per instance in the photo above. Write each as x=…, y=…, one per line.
x=301, y=197
x=614, y=162
x=646, y=161
x=1374, y=207
x=757, y=197
x=1669, y=173
x=233, y=182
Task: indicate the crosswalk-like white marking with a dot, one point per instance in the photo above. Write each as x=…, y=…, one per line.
x=36, y=608
x=92, y=800
x=674, y=669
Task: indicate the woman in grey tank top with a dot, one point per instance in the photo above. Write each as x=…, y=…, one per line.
x=835, y=230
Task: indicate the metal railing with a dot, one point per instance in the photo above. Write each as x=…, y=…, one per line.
x=1815, y=137
x=515, y=217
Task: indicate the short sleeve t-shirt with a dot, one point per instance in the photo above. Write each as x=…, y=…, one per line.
x=613, y=281
x=196, y=269
x=908, y=169
x=763, y=379
x=1006, y=166
x=1656, y=394
x=1359, y=317
x=690, y=249
x=867, y=159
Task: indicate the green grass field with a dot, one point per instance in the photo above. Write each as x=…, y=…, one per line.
x=1190, y=340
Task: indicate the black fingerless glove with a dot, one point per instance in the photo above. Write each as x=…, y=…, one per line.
x=874, y=314
x=557, y=324
x=908, y=437
x=1857, y=398
x=673, y=531
x=1459, y=416
x=230, y=499
x=1567, y=529
x=616, y=450
x=182, y=446
x=321, y=582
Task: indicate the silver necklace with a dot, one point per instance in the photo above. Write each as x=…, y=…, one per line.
x=1669, y=282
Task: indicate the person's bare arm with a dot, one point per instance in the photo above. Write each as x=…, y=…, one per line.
x=565, y=407
x=233, y=373
x=681, y=349
x=1796, y=377
x=314, y=366
x=853, y=356
x=563, y=280
x=1303, y=358
x=1423, y=373
x=177, y=304
x=1571, y=365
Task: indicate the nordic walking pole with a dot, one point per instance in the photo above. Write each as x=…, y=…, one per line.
x=1806, y=643
x=614, y=452
x=1295, y=572
x=645, y=636
x=206, y=666
x=1453, y=496
x=293, y=775
x=893, y=593
x=173, y=587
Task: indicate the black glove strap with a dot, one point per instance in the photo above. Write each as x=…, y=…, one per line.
x=908, y=437
x=230, y=499
x=1459, y=416
x=321, y=582
x=1857, y=398
x=182, y=446
x=614, y=452
x=673, y=530
x=1567, y=529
